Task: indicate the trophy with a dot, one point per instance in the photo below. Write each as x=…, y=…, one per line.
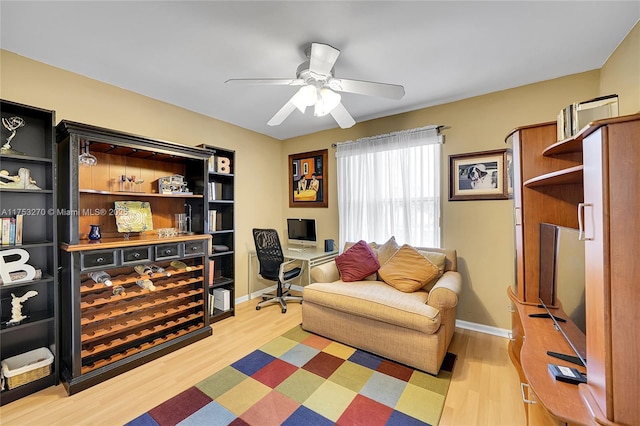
x=11, y=124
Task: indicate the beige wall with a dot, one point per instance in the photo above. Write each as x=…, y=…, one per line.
x=74, y=97
x=621, y=73
x=481, y=231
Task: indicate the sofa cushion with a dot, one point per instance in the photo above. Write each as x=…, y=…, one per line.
x=357, y=262
x=376, y=300
x=438, y=259
x=387, y=250
x=407, y=270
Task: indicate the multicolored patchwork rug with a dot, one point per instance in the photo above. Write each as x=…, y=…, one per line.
x=300, y=378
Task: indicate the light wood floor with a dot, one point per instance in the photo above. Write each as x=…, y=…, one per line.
x=484, y=389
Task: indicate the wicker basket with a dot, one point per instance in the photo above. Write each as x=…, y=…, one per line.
x=27, y=367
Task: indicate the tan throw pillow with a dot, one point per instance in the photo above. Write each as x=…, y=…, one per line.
x=408, y=270
x=387, y=250
x=438, y=259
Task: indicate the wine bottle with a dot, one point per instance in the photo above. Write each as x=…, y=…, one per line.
x=119, y=290
x=143, y=269
x=146, y=284
x=101, y=277
x=159, y=269
x=180, y=265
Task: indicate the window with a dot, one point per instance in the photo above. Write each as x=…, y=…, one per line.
x=389, y=185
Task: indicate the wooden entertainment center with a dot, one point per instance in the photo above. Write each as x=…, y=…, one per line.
x=589, y=181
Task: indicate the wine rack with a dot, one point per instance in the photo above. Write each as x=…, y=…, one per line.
x=143, y=314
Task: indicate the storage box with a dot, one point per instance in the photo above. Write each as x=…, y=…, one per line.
x=27, y=367
x=222, y=299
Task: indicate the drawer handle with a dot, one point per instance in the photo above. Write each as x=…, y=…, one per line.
x=168, y=251
x=194, y=248
x=136, y=255
x=524, y=398
x=99, y=259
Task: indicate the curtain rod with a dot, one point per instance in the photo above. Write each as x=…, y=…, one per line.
x=437, y=127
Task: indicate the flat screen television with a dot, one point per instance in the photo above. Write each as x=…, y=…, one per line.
x=302, y=232
x=562, y=270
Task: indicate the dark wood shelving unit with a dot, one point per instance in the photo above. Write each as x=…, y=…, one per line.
x=36, y=139
x=108, y=330
x=221, y=198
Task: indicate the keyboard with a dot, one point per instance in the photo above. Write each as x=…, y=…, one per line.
x=297, y=249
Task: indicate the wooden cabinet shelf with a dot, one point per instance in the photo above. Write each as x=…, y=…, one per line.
x=139, y=194
x=111, y=329
x=560, y=177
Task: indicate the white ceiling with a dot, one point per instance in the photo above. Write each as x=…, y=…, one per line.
x=181, y=52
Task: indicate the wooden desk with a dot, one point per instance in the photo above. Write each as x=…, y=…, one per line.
x=561, y=400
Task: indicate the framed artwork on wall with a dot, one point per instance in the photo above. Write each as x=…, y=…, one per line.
x=308, y=179
x=484, y=175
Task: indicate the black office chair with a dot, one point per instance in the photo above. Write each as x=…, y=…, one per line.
x=274, y=268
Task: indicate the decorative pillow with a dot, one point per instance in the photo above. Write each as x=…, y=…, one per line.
x=407, y=270
x=357, y=262
x=387, y=250
x=437, y=259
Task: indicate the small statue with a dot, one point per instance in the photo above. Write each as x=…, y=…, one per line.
x=22, y=180
x=16, y=306
x=11, y=124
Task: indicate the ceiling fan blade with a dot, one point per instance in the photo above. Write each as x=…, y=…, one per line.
x=266, y=81
x=280, y=116
x=342, y=116
x=369, y=88
x=322, y=58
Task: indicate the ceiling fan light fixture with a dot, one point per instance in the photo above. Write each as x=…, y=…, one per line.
x=306, y=96
x=327, y=101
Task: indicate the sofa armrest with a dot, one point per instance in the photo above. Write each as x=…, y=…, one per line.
x=325, y=273
x=444, y=294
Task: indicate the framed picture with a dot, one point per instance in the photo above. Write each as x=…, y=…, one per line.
x=485, y=175
x=308, y=179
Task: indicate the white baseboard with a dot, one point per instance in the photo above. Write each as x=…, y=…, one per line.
x=481, y=328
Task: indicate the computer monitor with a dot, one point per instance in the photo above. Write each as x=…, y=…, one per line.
x=302, y=232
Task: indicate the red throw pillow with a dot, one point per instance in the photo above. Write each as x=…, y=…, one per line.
x=357, y=262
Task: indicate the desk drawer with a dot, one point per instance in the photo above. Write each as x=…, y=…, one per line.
x=98, y=259
x=136, y=254
x=195, y=248
x=168, y=251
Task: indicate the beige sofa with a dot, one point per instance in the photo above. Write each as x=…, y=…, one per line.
x=411, y=328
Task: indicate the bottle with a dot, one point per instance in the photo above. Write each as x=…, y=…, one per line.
x=101, y=277
x=180, y=265
x=146, y=284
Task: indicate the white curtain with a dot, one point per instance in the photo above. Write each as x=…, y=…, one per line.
x=389, y=185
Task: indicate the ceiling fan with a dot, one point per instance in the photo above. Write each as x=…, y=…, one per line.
x=320, y=88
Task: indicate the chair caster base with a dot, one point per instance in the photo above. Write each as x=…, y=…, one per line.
x=257, y=308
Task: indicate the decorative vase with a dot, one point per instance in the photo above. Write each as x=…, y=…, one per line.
x=94, y=233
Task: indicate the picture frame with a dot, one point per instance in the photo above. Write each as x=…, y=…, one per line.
x=308, y=179
x=482, y=175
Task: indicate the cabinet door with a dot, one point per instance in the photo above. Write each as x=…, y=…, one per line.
x=611, y=162
x=596, y=234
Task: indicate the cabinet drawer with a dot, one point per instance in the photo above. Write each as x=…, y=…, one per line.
x=168, y=251
x=135, y=255
x=98, y=259
x=194, y=248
